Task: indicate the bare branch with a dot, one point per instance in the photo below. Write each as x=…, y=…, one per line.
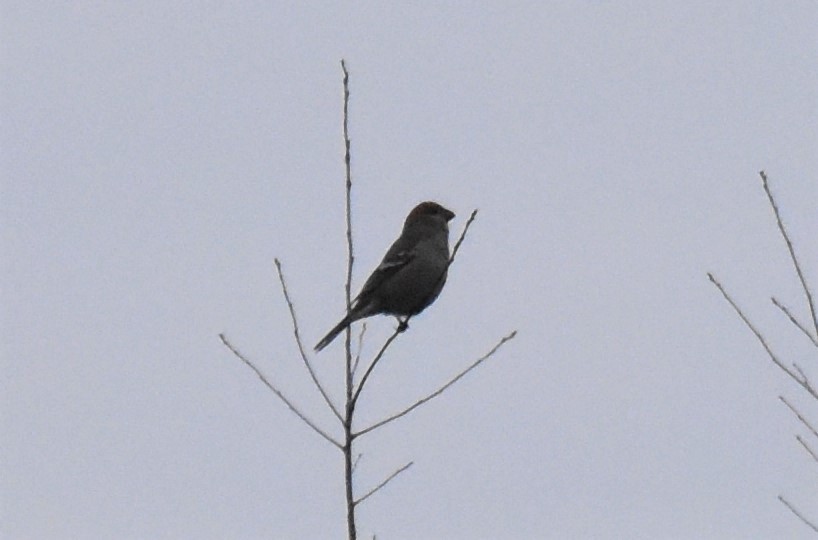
x=798, y=514
x=761, y=339
x=278, y=392
x=350, y=256
x=382, y=484
x=439, y=390
x=795, y=263
x=809, y=450
x=799, y=415
x=403, y=325
x=348, y=190
x=349, y=407
x=794, y=321
x=301, y=345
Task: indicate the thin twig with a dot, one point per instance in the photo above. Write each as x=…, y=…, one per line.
x=278, y=392
x=799, y=415
x=301, y=345
x=374, y=362
x=798, y=514
x=402, y=327
x=804, y=378
x=355, y=463
x=360, y=348
x=761, y=339
x=462, y=236
x=382, y=484
x=794, y=321
x=439, y=390
x=791, y=250
x=809, y=450
x=348, y=190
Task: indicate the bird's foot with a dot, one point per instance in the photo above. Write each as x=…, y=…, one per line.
x=403, y=324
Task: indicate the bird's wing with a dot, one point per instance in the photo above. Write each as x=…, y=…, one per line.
x=390, y=265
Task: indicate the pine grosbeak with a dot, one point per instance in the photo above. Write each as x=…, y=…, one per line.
x=411, y=274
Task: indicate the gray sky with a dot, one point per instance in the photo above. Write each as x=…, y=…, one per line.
x=157, y=158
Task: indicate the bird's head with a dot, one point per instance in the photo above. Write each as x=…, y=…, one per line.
x=430, y=209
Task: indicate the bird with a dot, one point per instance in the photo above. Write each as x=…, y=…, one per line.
x=411, y=274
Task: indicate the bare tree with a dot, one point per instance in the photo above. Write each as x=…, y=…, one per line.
x=345, y=414
x=794, y=370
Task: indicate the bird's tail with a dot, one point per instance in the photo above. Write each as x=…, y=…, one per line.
x=337, y=329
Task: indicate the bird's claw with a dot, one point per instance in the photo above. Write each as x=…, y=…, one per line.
x=402, y=325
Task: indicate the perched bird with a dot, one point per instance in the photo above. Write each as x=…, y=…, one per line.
x=411, y=274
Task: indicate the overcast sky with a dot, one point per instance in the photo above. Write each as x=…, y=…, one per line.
x=156, y=158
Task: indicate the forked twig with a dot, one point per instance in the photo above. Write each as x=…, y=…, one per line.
x=439, y=390
x=382, y=484
x=278, y=392
x=791, y=250
x=301, y=345
x=352, y=393
x=797, y=373
x=804, y=383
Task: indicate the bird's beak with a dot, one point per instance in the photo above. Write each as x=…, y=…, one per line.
x=448, y=214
